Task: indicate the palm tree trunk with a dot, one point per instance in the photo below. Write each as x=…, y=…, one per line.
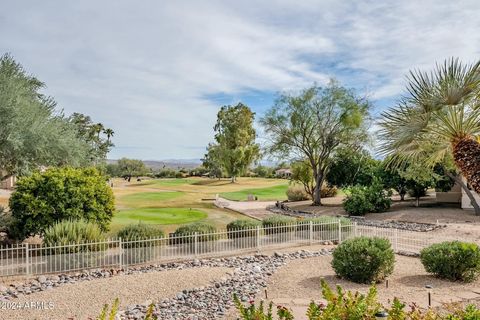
x=466, y=153
x=473, y=201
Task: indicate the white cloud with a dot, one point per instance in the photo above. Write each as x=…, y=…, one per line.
x=146, y=68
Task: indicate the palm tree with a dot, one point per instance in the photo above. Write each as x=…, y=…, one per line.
x=109, y=132
x=441, y=111
x=97, y=129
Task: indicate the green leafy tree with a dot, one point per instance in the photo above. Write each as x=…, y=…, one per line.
x=32, y=132
x=97, y=137
x=235, y=148
x=391, y=179
x=352, y=166
x=42, y=199
x=441, y=108
x=131, y=167
x=418, y=179
x=314, y=124
x=302, y=174
x=263, y=171
x=212, y=162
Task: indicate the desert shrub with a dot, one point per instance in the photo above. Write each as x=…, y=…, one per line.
x=42, y=199
x=453, y=260
x=357, y=202
x=323, y=223
x=361, y=200
x=328, y=223
x=202, y=229
x=139, y=231
x=253, y=312
x=74, y=232
x=328, y=191
x=284, y=224
x=297, y=193
x=179, y=175
x=242, y=228
x=363, y=259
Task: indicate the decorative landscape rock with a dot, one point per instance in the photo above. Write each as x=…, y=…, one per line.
x=281, y=208
x=248, y=277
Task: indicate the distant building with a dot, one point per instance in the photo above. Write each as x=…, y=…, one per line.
x=283, y=173
x=8, y=182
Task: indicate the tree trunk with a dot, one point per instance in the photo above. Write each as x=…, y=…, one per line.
x=466, y=153
x=317, y=199
x=473, y=201
x=417, y=202
x=233, y=179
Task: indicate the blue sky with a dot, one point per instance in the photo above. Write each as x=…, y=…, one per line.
x=158, y=71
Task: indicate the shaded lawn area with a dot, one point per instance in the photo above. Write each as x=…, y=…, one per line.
x=263, y=194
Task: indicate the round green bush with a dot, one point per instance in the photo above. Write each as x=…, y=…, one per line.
x=361, y=200
x=74, y=232
x=44, y=198
x=283, y=224
x=364, y=259
x=203, y=230
x=242, y=228
x=140, y=231
x=453, y=260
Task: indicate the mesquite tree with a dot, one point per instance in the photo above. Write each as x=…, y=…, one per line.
x=313, y=124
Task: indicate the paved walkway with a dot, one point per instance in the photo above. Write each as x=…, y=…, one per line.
x=254, y=209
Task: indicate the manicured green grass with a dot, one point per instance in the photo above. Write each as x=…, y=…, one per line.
x=162, y=216
x=269, y=193
x=149, y=199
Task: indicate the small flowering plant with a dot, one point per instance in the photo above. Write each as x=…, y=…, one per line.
x=251, y=312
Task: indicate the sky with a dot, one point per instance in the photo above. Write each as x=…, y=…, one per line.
x=157, y=72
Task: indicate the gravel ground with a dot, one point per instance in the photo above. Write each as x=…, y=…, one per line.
x=296, y=283
x=86, y=298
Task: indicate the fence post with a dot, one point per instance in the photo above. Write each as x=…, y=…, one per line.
x=396, y=240
x=258, y=237
x=339, y=231
x=195, y=244
x=310, y=234
x=355, y=229
x=120, y=246
x=27, y=259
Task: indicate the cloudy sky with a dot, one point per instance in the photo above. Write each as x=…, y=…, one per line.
x=157, y=71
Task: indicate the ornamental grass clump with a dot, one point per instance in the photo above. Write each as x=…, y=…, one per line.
x=279, y=224
x=186, y=233
x=68, y=232
x=364, y=259
x=135, y=233
x=453, y=260
x=242, y=228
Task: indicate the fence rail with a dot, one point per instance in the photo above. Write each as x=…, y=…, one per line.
x=28, y=259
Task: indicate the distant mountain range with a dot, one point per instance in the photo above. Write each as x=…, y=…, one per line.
x=169, y=163
x=182, y=163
